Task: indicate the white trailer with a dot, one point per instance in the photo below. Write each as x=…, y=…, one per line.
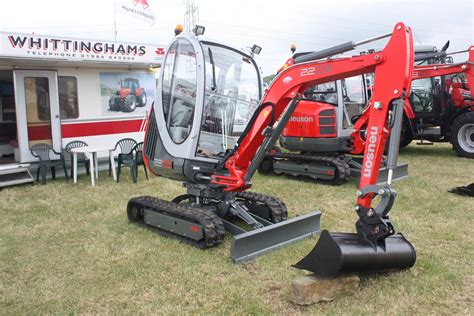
x=55, y=89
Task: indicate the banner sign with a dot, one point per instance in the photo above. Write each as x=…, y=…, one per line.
x=15, y=45
x=119, y=90
x=139, y=9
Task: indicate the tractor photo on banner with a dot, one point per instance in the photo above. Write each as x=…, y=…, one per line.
x=126, y=93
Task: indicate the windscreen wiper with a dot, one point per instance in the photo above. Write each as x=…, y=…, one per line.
x=211, y=59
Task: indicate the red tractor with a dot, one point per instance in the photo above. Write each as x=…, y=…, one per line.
x=440, y=106
x=128, y=97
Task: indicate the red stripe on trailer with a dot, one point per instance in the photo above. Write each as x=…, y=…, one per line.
x=39, y=132
x=100, y=128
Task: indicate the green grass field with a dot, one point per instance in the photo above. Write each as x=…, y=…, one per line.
x=68, y=248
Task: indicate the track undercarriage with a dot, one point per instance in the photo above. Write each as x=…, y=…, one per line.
x=333, y=169
x=259, y=222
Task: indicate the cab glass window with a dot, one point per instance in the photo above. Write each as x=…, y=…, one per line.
x=179, y=89
x=325, y=92
x=354, y=89
x=354, y=95
x=232, y=94
x=421, y=95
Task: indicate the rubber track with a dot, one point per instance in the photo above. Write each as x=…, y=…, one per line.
x=278, y=209
x=343, y=171
x=213, y=227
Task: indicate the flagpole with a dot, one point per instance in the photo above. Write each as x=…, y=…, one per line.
x=115, y=20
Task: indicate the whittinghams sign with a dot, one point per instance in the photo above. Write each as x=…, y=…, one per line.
x=53, y=47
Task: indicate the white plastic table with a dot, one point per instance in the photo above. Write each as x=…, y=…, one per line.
x=93, y=150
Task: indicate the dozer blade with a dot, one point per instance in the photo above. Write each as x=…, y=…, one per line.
x=248, y=245
x=339, y=253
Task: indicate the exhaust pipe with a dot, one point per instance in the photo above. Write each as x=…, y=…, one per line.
x=342, y=253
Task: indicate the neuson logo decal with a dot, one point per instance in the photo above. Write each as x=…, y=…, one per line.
x=301, y=119
x=370, y=154
x=42, y=46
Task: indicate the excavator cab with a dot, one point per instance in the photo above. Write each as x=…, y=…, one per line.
x=206, y=95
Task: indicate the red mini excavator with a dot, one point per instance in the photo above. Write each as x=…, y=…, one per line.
x=210, y=128
x=326, y=134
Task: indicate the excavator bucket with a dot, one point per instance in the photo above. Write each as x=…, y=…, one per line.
x=250, y=244
x=341, y=253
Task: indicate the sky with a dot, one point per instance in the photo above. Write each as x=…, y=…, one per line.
x=312, y=25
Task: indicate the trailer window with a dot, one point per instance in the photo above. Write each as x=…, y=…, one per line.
x=68, y=104
x=37, y=99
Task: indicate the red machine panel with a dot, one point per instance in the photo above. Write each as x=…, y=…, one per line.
x=312, y=119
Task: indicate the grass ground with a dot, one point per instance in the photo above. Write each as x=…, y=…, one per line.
x=68, y=248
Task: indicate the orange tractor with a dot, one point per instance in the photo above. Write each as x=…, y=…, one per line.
x=128, y=97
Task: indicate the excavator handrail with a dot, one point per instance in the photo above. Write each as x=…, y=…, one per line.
x=434, y=70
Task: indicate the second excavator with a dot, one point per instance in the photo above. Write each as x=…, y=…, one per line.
x=326, y=134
